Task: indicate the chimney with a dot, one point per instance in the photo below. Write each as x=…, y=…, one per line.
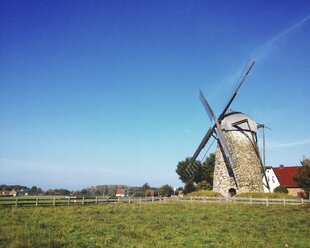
x=281, y=166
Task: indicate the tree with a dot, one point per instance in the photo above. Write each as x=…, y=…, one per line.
x=63, y=192
x=39, y=191
x=203, y=185
x=208, y=166
x=144, y=188
x=166, y=190
x=302, y=176
x=98, y=192
x=201, y=171
x=84, y=192
x=138, y=194
x=186, y=166
x=33, y=190
x=189, y=187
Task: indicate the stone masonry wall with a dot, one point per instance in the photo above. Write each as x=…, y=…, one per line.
x=245, y=163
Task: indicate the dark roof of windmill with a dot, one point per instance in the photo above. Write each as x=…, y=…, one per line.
x=286, y=175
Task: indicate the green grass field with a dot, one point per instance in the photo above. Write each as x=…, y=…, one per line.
x=155, y=225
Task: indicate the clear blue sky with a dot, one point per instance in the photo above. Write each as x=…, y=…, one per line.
x=106, y=92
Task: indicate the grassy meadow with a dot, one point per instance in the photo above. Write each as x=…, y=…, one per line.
x=155, y=225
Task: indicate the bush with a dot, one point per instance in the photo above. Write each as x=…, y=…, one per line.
x=302, y=194
x=280, y=189
x=203, y=185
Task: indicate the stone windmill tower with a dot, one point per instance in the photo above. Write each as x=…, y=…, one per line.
x=239, y=133
x=237, y=161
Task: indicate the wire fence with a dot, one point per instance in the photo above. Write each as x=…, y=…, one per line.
x=29, y=201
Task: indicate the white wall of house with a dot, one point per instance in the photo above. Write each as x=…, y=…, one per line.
x=272, y=180
x=120, y=195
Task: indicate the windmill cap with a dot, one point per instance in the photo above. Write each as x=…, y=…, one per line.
x=236, y=120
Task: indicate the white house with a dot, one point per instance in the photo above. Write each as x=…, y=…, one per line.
x=283, y=176
x=121, y=193
x=272, y=180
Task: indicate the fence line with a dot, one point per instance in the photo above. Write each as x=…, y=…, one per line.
x=68, y=201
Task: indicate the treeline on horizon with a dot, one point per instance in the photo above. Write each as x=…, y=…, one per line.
x=99, y=190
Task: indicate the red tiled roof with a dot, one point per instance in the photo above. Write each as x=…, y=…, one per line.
x=120, y=191
x=285, y=175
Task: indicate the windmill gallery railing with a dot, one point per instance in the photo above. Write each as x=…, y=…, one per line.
x=25, y=201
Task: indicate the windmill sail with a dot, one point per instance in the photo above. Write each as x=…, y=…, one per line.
x=212, y=129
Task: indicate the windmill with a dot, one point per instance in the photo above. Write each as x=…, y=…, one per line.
x=238, y=164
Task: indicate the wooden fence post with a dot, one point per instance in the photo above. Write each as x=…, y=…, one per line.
x=37, y=201
x=302, y=201
x=267, y=203
x=283, y=201
x=54, y=201
x=251, y=200
x=83, y=200
x=129, y=200
x=68, y=201
x=16, y=203
x=118, y=199
x=191, y=198
x=96, y=199
x=152, y=198
x=140, y=200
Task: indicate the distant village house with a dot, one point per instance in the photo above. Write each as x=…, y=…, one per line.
x=121, y=193
x=12, y=192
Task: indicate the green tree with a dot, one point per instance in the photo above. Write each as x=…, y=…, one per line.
x=302, y=176
x=33, y=190
x=84, y=192
x=203, y=185
x=199, y=171
x=187, y=167
x=138, y=194
x=39, y=191
x=145, y=187
x=208, y=166
x=189, y=187
x=166, y=190
x=98, y=192
x=63, y=192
